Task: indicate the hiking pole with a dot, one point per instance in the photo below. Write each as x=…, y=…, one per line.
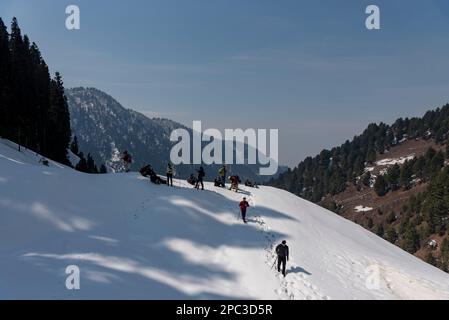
x=274, y=264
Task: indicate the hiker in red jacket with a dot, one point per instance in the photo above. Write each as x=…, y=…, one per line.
x=244, y=205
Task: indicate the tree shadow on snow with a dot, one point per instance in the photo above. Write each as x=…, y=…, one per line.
x=159, y=248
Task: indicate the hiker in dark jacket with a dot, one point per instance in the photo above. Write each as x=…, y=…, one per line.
x=282, y=253
x=169, y=174
x=201, y=175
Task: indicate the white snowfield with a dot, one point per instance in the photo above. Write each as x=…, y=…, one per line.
x=135, y=240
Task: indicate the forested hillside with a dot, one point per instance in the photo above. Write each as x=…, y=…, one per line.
x=33, y=109
x=414, y=187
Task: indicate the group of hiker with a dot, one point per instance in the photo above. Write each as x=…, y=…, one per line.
x=195, y=180
x=198, y=179
x=282, y=250
x=148, y=171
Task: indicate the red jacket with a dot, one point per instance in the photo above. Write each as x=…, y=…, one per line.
x=127, y=158
x=244, y=205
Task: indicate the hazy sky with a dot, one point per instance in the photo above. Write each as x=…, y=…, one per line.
x=309, y=68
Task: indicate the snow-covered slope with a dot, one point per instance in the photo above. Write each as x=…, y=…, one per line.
x=132, y=239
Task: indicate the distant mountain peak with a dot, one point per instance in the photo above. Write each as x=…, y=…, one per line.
x=105, y=128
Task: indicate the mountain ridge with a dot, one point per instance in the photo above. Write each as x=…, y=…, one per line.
x=104, y=128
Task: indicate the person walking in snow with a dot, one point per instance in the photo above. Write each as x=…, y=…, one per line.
x=127, y=160
x=235, y=180
x=222, y=173
x=244, y=205
x=282, y=255
x=170, y=174
x=200, y=179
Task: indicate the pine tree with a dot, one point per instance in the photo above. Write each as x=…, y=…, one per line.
x=430, y=259
x=74, y=146
x=366, y=179
x=91, y=167
x=371, y=156
x=58, y=121
x=444, y=256
x=406, y=176
x=445, y=248
x=447, y=148
x=380, y=186
x=393, y=176
x=82, y=164
x=369, y=223
x=18, y=80
x=391, y=218
x=4, y=79
x=419, y=166
x=103, y=169
x=411, y=240
x=380, y=230
x=391, y=235
x=41, y=83
x=436, y=163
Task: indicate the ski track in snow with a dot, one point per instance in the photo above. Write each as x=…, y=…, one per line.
x=293, y=286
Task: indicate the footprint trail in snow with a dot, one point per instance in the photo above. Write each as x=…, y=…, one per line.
x=294, y=286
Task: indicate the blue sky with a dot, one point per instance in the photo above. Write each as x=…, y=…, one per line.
x=308, y=68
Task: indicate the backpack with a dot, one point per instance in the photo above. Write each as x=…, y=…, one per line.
x=192, y=180
x=281, y=250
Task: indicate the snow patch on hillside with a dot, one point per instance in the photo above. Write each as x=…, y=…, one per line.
x=363, y=209
x=393, y=161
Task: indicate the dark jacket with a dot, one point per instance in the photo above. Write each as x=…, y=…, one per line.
x=201, y=173
x=282, y=251
x=147, y=171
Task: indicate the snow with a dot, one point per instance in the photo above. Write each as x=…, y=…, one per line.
x=433, y=243
x=363, y=209
x=73, y=158
x=393, y=161
x=135, y=240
